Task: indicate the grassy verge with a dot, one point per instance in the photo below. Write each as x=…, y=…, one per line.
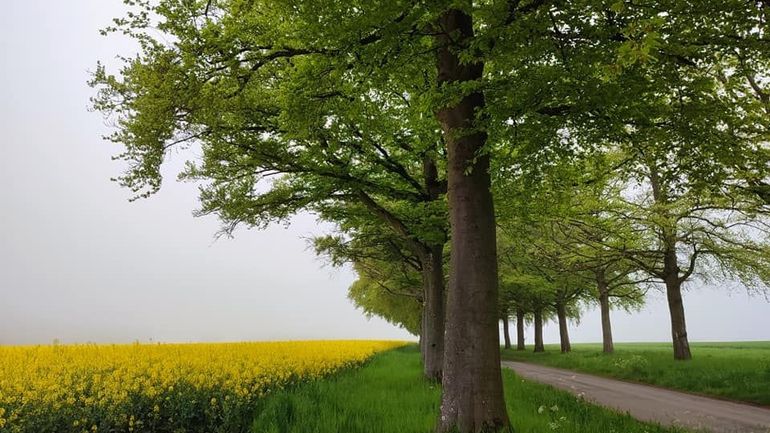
x=388, y=395
x=737, y=371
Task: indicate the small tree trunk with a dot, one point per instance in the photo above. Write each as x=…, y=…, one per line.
x=678, y=325
x=561, y=312
x=604, y=305
x=668, y=238
x=520, y=329
x=472, y=398
x=539, y=347
x=506, y=332
x=433, y=314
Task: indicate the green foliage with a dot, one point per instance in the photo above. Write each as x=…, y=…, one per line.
x=737, y=371
x=390, y=281
x=284, y=106
x=553, y=226
x=378, y=298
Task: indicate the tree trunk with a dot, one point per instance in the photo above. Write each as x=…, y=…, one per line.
x=506, y=332
x=675, y=305
x=421, y=340
x=604, y=305
x=561, y=312
x=433, y=314
x=668, y=238
x=472, y=398
x=539, y=347
x=520, y=329
x=678, y=326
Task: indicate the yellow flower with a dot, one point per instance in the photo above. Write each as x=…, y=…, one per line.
x=99, y=383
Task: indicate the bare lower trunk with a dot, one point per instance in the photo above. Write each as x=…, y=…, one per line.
x=539, y=347
x=561, y=312
x=520, y=329
x=668, y=238
x=604, y=306
x=506, y=332
x=433, y=314
x=678, y=325
x=421, y=341
x=472, y=398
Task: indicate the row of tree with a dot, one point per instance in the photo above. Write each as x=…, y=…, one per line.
x=605, y=144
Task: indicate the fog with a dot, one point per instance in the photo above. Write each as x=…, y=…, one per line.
x=79, y=263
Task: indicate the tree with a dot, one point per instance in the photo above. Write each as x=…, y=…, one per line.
x=297, y=88
x=283, y=123
x=693, y=233
x=582, y=223
x=390, y=275
x=382, y=298
x=695, y=141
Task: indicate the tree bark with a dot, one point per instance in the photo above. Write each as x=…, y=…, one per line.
x=520, y=329
x=539, y=347
x=668, y=238
x=506, y=332
x=561, y=312
x=472, y=398
x=604, y=303
x=433, y=314
x=604, y=306
x=678, y=325
x=675, y=304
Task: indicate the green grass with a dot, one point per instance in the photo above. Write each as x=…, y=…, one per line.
x=737, y=371
x=388, y=395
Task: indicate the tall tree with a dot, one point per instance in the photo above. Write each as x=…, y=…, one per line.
x=283, y=122
x=288, y=87
x=472, y=399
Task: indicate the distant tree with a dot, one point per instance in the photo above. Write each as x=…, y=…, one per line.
x=390, y=275
x=692, y=231
x=396, y=299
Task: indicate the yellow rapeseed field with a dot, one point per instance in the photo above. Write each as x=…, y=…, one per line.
x=157, y=388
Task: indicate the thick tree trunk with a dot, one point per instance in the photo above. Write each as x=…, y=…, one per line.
x=678, y=325
x=433, y=314
x=472, y=398
x=604, y=307
x=561, y=312
x=506, y=332
x=539, y=347
x=520, y=329
x=421, y=341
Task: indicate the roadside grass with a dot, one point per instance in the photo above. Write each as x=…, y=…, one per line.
x=388, y=395
x=736, y=371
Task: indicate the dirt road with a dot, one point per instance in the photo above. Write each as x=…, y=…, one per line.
x=649, y=403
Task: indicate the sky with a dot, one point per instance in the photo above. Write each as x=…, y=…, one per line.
x=79, y=263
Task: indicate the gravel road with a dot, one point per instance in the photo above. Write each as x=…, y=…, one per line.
x=650, y=403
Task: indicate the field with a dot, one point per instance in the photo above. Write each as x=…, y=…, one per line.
x=158, y=388
x=296, y=387
x=388, y=395
x=737, y=371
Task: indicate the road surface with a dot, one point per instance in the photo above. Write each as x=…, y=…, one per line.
x=653, y=404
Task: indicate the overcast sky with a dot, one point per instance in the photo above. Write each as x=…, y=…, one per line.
x=79, y=263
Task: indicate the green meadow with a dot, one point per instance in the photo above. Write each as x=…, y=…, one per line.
x=736, y=371
x=390, y=395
